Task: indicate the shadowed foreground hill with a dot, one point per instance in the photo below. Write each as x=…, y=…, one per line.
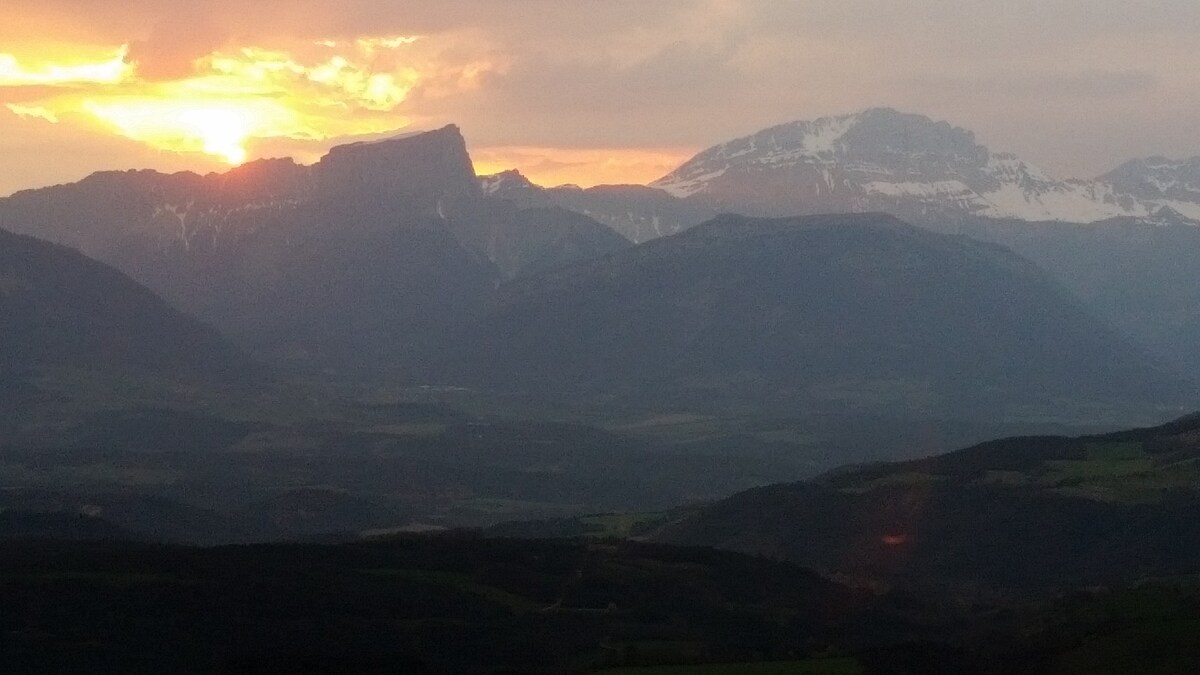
x=1023, y=514
x=61, y=309
x=466, y=606
x=845, y=310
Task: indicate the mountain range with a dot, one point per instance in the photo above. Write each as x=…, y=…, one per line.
x=838, y=311
x=879, y=159
x=392, y=257
x=882, y=159
x=364, y=257
x=1120, y=242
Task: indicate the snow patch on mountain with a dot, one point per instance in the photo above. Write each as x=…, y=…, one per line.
x=688, y=186
x=876, y=158
x=1076, y=203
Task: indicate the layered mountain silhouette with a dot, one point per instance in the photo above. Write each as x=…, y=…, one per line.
x=61, y=309
x=364, y=257
x=394, y=256
x=1123, y=242
x=638, y=212
x=925, y=171
x=848, y=310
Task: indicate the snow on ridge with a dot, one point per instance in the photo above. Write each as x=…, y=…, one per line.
x=999, y=185
x=491, y=184
x=1076, y=203
x=1005, y=165
x=1189, y=210
x=794, y=142
x=944, y=188
x=681, y=187
x=823, y=135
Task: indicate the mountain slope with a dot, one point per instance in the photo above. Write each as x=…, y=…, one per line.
x=637, y=212
x=836, y=310
x=1142, y=279
x=61, y=309
x=1032, y=513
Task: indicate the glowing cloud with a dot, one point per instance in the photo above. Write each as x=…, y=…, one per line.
x=32, y=112
x=235, y=98
x=110, y=71
x=219, y=128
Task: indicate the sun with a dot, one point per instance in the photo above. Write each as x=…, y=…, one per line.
x=220, y=127
x=234, y=100
x=223, y=131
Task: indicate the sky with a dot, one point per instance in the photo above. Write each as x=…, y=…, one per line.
x=580, y=91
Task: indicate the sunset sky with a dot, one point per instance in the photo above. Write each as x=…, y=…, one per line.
x=583, y=91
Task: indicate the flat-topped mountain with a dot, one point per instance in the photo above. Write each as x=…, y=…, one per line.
x=366, y=255
x=433, y=164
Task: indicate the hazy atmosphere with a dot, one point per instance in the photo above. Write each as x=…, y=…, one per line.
x=558, y=337
x=575, y=91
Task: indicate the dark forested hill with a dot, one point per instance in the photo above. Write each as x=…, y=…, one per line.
x=1026, y=514
x=60, y=308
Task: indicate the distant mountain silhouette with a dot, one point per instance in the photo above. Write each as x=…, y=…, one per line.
x=1126, y=243
x=360, y=259
x=848, y=310
x=59, y=308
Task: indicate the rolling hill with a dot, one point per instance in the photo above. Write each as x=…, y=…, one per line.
x=1030, y=514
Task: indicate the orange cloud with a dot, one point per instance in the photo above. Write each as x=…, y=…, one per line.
x=233, y=99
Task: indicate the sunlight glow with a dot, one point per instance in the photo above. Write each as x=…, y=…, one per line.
x=111, y=71
x=584, y=167
x=32, y=112
x=216, y=128
x=234, y=98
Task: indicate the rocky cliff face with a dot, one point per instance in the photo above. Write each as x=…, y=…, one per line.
x=424, y=166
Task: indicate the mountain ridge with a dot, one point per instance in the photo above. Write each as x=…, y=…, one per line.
x=881, y=157
x=373, y=250
x=833, y=310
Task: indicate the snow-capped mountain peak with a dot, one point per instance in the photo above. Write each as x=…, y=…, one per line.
x=884, y=159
